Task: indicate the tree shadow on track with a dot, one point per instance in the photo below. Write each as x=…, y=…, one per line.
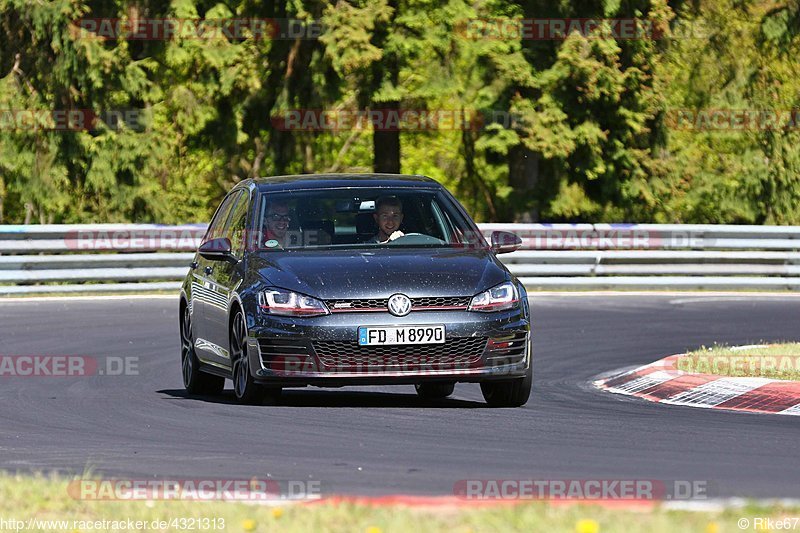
x=326, y=398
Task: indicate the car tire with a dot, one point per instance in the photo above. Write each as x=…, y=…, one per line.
x=433, y=391
x=246, y=390
x=195, y=381
x=508, y=393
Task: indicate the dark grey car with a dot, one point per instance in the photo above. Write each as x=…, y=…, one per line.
x=296, y=283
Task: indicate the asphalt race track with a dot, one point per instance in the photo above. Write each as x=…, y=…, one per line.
x=384, y=440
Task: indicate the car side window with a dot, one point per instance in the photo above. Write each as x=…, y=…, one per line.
x=216, y=228
x=237, y=224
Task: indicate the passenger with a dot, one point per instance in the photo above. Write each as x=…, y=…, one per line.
x=388, y=217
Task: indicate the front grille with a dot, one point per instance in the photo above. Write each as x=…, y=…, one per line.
x=460, y=352
x=381, y=304
x=349, y=305
x=506, y=350
x=441, y=301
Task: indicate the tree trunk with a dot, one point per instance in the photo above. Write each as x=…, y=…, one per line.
x=478, y=185
x=523, y=176
x=386, y=146
x=385, y=143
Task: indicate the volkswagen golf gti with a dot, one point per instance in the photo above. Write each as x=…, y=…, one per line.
x=344, y=280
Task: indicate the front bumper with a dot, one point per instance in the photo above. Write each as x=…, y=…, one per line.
x=323, y=351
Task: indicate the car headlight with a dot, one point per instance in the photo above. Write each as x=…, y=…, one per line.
x=287, y=303
x=499, y=298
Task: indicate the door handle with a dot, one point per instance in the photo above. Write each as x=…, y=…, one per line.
x=209, y=270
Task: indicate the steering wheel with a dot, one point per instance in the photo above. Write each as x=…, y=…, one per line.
x=416, y=238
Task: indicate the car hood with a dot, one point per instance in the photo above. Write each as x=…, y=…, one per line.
x=332, y=274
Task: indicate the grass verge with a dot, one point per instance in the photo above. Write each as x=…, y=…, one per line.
x=41, y=499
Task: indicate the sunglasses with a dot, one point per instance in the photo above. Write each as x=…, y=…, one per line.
x=275, y=217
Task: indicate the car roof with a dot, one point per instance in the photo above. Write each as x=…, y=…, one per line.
x=334, y=181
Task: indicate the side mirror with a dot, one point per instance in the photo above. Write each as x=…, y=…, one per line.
x=504, y=242
x=218, y=250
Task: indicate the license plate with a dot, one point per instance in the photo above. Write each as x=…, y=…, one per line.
x=386, y=335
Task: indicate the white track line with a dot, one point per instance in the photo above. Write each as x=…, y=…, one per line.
x=88, y=297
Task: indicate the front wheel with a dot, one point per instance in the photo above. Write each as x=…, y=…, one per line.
x=245, y=388
x=508, y=393
x=195, y=381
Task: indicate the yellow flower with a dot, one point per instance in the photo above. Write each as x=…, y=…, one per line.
x=373, y=529
x=249, y=525
x=587, y=526
x=712, y=527
x=277, y=512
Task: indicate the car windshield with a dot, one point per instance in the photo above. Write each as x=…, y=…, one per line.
x=356, y=218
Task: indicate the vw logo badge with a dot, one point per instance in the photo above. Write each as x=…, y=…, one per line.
x=399, y=305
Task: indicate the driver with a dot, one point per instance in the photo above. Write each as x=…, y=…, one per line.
x=388, y=217
x=276, y=224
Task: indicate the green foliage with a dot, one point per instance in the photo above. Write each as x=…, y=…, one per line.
x=348, y=39
x=577, y=129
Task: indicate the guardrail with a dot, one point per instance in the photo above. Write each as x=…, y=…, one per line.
x=136, y=257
